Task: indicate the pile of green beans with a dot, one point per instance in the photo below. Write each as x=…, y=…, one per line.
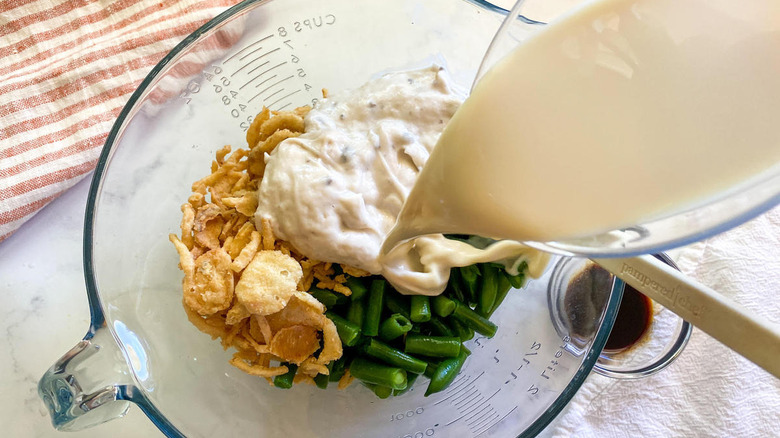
x=391, y=339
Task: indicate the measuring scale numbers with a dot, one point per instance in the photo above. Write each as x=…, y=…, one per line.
x=267, y=72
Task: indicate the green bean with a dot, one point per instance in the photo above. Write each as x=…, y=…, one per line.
x=394, y=357
x=410, y=379
x=470, y=275
x=460, y=237
x=504, y=286
x=322, y=380
x=383, y=392
x=380, y=391
x=439, y=327
x=420, y=308
x=489, y=290
x=517, y=281
x=394, y=326
x=357, y=286
x=443, y=306
x=339, y=368
x=327, y=298
x=348, y=331
x=356, y=311
x=285, y=381
x=374, y=308
x=455, y=285
x=398, y=303
x=430, y=370
x=434, y=346
x=446, y=372
x=460, y=330
x=473, y=320
x=377, y=374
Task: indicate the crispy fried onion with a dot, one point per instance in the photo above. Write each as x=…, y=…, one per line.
x=241, y=284
x=268, y=282
x=303, y=309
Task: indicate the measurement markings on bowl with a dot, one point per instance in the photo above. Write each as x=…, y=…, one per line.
x=411, y=413
x=269, y=73
x=266, y=72
x=420, y=433
x=474, y=408
x=477, y=400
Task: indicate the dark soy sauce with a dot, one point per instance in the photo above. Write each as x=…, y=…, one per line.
x=585, y=298
x=633, y=320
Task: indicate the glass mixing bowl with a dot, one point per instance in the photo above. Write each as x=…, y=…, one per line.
x=140, y=347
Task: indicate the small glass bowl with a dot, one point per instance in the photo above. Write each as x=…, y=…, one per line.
x=662, y=342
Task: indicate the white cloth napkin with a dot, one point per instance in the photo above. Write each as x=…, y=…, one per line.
x=710, y=391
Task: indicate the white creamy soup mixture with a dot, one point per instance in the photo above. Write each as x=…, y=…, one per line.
x=335, y=191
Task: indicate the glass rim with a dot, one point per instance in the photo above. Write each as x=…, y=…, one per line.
x=637, y=373
x=573, y=249
x=136, y=393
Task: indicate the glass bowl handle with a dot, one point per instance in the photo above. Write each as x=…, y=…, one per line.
x=78, y=390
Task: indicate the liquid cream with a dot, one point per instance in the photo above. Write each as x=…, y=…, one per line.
x=621, y=112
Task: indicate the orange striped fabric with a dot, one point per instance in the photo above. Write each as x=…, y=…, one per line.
x=66, y=69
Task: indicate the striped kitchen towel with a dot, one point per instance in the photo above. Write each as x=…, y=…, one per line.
x=66, y=69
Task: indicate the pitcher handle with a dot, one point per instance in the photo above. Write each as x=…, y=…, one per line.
x=76, y=389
